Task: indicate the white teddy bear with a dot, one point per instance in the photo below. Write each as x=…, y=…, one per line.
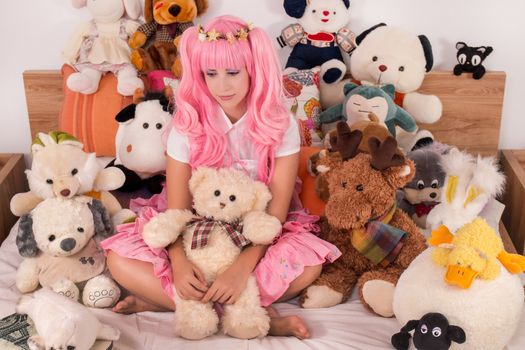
x=57, y=240
x=224, y=200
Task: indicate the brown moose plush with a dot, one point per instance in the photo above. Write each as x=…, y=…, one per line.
x=378, y=241
x=154, y=42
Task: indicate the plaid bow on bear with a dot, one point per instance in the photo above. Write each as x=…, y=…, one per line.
x=204, y=226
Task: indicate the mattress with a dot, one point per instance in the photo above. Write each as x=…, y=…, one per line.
x=346, y=326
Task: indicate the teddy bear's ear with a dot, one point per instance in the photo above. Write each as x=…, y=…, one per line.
x=78, y=3
x=364, y=34
x=202, y=6
x=199, y=175
x=460, y=45
x=295, y=8
x=427, y=49
x=347, y=3
x=101, y=220
x=25, y=239
x=262, y=196
x=349, y=87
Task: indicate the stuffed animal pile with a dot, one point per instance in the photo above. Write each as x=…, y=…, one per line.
x=230, y=213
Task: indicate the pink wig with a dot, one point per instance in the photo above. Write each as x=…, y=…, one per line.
x=267, y=118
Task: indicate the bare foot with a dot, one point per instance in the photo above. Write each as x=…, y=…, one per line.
x=131, y=304
x=287, y=325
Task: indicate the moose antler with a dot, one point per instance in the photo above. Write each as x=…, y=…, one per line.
x=384, y=154
x=347, y=141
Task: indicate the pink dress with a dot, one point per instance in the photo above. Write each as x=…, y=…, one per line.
x=297, y=246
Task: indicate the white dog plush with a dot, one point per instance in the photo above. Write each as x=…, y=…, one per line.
x=61, y=168
x=61, y=323
x=56, y=239
x=212, y=240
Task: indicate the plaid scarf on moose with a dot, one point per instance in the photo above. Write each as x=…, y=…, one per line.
x=379, y=242
x=204, y=226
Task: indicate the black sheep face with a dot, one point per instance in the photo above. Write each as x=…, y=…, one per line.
x=470, y=59
x=431, y=332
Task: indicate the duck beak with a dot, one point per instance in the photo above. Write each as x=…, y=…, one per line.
x=460, y=276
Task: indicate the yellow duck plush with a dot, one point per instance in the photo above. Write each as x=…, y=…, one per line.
x=472, y=252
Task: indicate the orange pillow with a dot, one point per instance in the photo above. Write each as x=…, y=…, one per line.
x=91, y=118
x=308, y=196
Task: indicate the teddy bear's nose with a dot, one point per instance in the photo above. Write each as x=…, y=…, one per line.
x=433, y=195
x=68, y=244
x=65, y=192
x=222, y=205
x=174, y=10
x=382, y=68
x=326, y=13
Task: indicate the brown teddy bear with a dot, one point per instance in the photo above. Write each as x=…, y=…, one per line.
x=378, y=241
x=154, y=42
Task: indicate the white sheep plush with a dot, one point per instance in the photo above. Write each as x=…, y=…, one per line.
x=57, y=240
x=224, y=200
x=61, y=323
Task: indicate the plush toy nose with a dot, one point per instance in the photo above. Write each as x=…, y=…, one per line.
x=68, y=244
x=382, y=68
x=222, y=205
x=65, y=192
x=174, y=10
x=326, y=13
x=433, y=195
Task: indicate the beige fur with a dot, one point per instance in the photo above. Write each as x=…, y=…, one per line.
x=226, y=195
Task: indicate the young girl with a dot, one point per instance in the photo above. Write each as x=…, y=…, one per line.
x=230, y=113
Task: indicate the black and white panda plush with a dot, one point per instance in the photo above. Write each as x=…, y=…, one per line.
x=141, y=154
x=319, y=36
x=470, y=59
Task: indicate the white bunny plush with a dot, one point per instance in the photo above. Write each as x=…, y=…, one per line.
x=100, y=46
x=470, y=184
x=231, y=213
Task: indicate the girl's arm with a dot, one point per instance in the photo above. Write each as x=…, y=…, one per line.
x=229, y=285
x=187, y=278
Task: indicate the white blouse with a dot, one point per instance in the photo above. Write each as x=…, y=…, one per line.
x=243, y=151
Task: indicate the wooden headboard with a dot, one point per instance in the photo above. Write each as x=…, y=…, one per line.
x=471, y=108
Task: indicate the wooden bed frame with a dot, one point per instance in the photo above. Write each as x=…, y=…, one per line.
x=471, y=108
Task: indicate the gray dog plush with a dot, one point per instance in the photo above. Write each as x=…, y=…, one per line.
x=423, y=193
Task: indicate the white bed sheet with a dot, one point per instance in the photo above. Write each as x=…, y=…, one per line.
x=346, y=326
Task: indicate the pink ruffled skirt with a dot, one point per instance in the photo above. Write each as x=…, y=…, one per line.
x=298, y=246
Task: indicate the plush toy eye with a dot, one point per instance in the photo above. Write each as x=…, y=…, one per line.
x=80, y=229
x=74, y=171
x=420, y=184
x=401, y=69
x=436, y=332
x=462, y=58
x=233, y=198
x=217, y=193
x=434, y=183
x=343, y=184
x=359, y=188
x=51, y=238
x=476, y=60
x=314, y=11
x=49, y=181
x=424, y=329
x=158, y=126
x=374, y=58
x=145, y=125
x=335, y=12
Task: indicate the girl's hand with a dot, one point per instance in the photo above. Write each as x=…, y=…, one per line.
x=188, y=280
x=229, y=285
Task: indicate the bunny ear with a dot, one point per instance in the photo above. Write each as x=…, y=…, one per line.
x=133, y=8
x=78, y=3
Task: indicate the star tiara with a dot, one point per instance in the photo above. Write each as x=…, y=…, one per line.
x=213, y=35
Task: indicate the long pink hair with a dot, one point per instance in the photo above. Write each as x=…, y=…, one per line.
x=197, y=111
